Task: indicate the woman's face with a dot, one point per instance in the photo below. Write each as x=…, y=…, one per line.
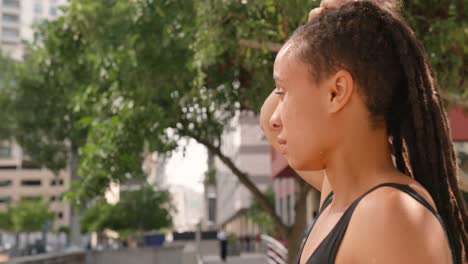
x=301, y=118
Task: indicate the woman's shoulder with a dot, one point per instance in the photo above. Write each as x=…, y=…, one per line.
x=392, y=227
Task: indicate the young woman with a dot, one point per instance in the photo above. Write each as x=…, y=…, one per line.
x=348, y=82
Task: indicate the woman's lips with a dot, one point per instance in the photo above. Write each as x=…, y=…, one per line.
x=283, y=148
x=282, y=145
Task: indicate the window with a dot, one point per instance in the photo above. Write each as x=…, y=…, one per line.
x=53, y=11
x=60, y=215
x=212, y=209
x=10, y=32
x=30, y=182
x=52, y=198
x=56, y=182
x=5, y=151
x=31, y=198
x=10, y=18
x=37, y=8
x=5, y=183
x=5, y=199
x=11, y=3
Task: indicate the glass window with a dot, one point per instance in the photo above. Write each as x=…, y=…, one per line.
x=5, y=183
x=30, y=182
x=53, y=11
x=31, y=198
x=12, y=18
x=11, y=3
x=10, y=32
x=38, y=8
x=5, y=199
x=5, y=151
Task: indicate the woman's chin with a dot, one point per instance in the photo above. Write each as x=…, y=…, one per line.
x=304, y=165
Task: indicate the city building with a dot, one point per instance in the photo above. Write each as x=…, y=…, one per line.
x=459, y=130
x=22, y=180
x=18, y=19
x=188, y=206
x=19, y=178
x=285, y=189
x=243, y=142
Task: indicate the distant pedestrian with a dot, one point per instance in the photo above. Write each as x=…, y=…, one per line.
x=222, y=237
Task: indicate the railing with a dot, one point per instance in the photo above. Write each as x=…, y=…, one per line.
x=275, y=252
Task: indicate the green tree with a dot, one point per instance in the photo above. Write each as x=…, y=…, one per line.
x=28, y=216
x=137, y=211
x=124, y=75
x=259, y=216
x=94, y=218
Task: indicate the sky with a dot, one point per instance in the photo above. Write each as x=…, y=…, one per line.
x=188, y=171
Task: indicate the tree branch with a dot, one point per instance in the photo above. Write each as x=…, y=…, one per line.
x=245, y=180
x=304, y=189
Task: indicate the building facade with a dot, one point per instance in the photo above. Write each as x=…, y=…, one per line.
x=19, y=178
x=243, y=142
x=459, y=130
x=18, y=19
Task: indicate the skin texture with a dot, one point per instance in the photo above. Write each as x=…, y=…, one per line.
x=319, y=128
x=316, y=179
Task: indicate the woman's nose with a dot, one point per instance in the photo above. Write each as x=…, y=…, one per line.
x=275, y=120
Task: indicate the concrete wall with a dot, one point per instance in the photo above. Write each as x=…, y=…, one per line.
x=169, y=254
x=174, y=254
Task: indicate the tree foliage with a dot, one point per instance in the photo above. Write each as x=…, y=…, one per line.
x=137, y=211
x=26, y=216
x=259, y=216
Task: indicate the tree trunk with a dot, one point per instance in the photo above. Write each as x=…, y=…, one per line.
x=75, y=232
x=296, y=231
x=293, y=234
x=244, y=178
x=17, y=243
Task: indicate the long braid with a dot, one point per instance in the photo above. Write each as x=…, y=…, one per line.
x=391, y=68
x=438, y=171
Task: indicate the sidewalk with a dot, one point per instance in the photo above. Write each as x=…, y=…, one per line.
x=248, y=258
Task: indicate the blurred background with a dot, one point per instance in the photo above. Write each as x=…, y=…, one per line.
x=129, y=129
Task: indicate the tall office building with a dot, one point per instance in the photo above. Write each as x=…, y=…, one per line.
x=19, y=178
x=18, y=20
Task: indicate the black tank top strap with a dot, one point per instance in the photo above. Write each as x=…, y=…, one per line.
x=326, y=251
x=326, y=202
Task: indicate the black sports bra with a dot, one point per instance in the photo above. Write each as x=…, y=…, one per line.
x=328, y=248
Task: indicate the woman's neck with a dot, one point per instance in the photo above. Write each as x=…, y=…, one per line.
x=359, y=163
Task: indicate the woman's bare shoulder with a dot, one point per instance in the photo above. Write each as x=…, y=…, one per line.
x=390, y=226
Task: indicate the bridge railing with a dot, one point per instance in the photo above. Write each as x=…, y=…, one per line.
x=275, y=252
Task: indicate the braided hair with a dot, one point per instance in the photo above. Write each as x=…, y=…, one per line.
x=391, y=69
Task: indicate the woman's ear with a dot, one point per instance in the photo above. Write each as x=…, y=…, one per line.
x=340, y=89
